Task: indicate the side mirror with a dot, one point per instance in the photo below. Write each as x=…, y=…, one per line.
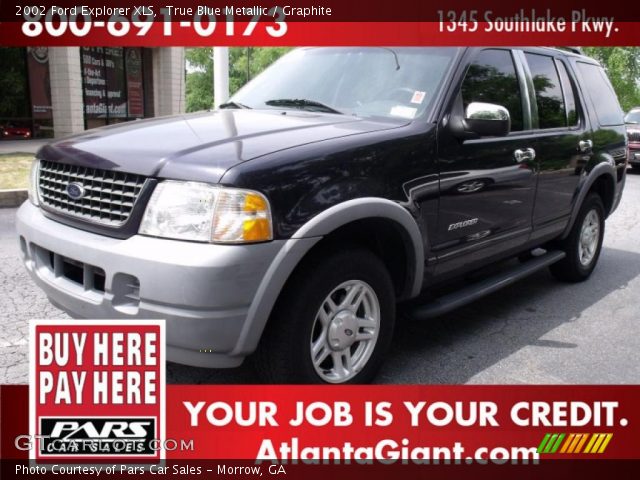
x=487, y=119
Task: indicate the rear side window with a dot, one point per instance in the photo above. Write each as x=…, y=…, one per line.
x=602, y=95
x=570, y=97
x=492, y=79
x=546, y=82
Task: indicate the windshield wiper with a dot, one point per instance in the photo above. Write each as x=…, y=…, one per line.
x=234, y=105
x=395, y=56
x=302, y=103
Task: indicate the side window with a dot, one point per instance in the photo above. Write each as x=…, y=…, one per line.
x=602, y=95
x=570, y=97
x=546, y=82
x=492, y=79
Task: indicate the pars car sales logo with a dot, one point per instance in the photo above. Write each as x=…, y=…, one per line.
x=97, y=390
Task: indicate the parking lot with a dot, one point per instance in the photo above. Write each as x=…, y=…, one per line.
x=536, y=331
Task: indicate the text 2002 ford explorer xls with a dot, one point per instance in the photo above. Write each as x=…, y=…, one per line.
x=336, y=184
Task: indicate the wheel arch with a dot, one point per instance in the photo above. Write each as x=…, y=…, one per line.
x=602, y=180
x=327, y=227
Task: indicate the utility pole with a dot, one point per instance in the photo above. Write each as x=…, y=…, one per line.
x=248, y=64
x=220, y=75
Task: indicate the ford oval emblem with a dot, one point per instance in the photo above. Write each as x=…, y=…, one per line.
x=75, y=191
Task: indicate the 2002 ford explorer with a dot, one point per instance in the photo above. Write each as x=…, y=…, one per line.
x=339, y=183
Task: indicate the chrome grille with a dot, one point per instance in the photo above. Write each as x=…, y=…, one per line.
x=634, y=135
x=108, y=198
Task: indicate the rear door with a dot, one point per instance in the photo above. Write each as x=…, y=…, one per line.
x=563, y=138
x=486, y=191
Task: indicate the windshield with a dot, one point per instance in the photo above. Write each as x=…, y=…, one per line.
x=632, y=117
x=383, y=82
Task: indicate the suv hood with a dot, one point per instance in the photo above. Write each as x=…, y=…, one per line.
x=202, y=146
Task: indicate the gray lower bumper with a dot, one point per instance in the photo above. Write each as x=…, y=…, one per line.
x=203, y=291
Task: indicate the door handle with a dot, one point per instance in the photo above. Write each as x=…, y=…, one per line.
x=585, y=145
x=524, y=155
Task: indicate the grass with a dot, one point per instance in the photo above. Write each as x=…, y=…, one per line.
x=14, y=170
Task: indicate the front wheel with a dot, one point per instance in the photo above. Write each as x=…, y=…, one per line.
x=583, y=244
x=333, y=323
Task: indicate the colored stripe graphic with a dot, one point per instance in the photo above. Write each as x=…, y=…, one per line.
x=592, y=440
x=555, y=447
x=570, y=440
x=573, y=443
x=581, y=443
x=550, y=443
x=543, y=443
x=603, y=447
x=578, y=440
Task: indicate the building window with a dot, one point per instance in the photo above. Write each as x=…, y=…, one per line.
x=113, y=85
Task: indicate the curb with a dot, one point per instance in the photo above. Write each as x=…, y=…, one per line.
x=13, y=198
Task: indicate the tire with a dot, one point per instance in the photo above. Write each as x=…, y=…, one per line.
x=297, y=323
x=582, y=252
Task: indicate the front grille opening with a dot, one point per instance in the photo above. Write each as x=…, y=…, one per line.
x=72, y=270
x=87, y=276
x=98, y=279
x=90, y=277
x=126, y=293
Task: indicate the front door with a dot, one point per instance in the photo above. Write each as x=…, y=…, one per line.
x=487, y=185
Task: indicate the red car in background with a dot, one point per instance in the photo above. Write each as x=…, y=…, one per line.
x=632, y=120
x=12, y=131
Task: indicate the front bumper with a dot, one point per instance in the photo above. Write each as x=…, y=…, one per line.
x=634, y=154
x=203, y=291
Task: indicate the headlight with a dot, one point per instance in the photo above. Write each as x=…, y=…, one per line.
x=207, y=213
x=33, y=182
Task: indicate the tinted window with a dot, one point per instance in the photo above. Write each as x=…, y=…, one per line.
x=602, y=95
x=551, y=112
x=570, y=97
x=492, y=79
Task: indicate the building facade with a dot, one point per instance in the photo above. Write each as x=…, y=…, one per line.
x=59, y=91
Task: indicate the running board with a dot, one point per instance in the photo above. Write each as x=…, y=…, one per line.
x=473, y=292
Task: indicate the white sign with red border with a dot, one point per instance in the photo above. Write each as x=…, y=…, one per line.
x=97, y=390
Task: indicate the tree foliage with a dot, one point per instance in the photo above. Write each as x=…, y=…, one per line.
x=244, y=64
x=13, y=83
x=623, y=67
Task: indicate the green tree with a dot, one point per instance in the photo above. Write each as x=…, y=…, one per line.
x=199, y=85
x=13, y=83
x=623, y=67
x=244, y=64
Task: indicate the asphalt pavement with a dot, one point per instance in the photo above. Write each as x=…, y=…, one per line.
x=536, y=331
x=22, y=146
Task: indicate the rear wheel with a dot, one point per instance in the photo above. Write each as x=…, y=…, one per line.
x=583, y=244
x=333, y=323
